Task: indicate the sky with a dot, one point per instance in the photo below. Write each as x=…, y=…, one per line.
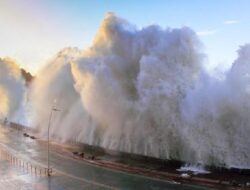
x=32, y=31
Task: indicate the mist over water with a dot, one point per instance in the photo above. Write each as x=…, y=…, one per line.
x=146, y=91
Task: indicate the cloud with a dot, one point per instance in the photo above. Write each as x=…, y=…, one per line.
x=227, y=22
x=206, y=32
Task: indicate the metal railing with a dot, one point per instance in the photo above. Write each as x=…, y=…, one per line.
x=30, y=167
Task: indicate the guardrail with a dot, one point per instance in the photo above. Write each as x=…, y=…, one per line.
x=30, y=167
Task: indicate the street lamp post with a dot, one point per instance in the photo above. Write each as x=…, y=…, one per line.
x=51, y=112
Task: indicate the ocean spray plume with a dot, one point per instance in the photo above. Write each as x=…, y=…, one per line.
x=130, y=84
x=133, y=83
x=146, y=92
x=11, y=88
x=216, y=113
x=53, y=84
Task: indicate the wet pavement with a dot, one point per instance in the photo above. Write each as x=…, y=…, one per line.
x=69, y=173
x=13, y=178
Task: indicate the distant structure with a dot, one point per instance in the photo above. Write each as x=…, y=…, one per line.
x=27, y=76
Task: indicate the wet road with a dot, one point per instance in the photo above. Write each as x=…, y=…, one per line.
x=71, y=174
x=13, y=178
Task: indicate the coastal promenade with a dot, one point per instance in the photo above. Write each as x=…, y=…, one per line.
x=68, y=173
